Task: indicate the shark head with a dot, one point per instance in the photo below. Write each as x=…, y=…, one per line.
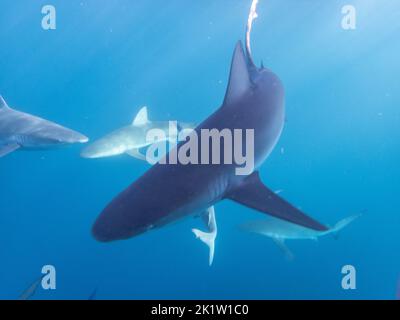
x=104, y=147
x=121, y=140
x=52, y=134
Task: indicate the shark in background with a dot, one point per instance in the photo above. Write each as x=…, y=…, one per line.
x=280, y=231
x=31, y=290
x=130, y=139
x=19, y=130
x=165, y=193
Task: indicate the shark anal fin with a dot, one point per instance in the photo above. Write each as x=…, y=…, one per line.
x=281, y=245
x=8, y=148
x=136, y=154
x=208, y=237
x=254, y=194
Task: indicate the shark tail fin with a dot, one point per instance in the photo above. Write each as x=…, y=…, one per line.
x=141, y=118
x=344, y=222
x=209, y=240
x=3, y=103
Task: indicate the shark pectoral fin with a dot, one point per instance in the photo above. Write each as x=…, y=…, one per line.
x=8, y=148
x=254, y=194
x=281, y=244
x=3, y=103
x=208, y=237
x=136, y=154
x=141, y=118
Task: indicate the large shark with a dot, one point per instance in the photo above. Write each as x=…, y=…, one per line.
x=130, y=139
x=19, y=130
x=279, y=231
x=167, y=192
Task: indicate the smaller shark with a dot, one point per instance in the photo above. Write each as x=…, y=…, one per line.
x=31, y=290
x=280, y=230
x=130, y=139
x=19, y=130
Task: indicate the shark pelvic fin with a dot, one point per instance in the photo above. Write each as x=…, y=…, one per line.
x=8, y=148
x=208, y=237
x=135, y=153
x=254, y=194
x=239, y=79
x=3, y=103
x=284, y=248
x=141, y=118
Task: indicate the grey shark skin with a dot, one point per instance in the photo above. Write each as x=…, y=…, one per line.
x=165, y=193
x=19, y=130
x=129, y=139
x=279, y=229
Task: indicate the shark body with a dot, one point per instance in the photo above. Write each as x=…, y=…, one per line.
x=165, y=193
x=280, y=231
x=19, y=130
x=130, y=139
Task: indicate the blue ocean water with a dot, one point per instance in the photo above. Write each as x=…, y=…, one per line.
x=338, y=155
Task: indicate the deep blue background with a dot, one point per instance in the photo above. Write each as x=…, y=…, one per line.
x=109, y=57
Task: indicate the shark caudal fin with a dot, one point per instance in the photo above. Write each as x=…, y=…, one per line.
x=254, y=194
x=343, y=223
x=141, y=118
x=208, y=237
x=239, y=78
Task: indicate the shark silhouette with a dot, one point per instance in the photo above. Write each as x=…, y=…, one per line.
x=130, y=139
x=280, y=231
x=168, y=192
x=22, y=130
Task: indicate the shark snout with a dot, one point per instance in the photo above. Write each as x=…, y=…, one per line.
x=76, y=137
x=54, y=135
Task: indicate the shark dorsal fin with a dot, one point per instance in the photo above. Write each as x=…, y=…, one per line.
x=3, y=103
x=239, y=79
x=141, y=118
